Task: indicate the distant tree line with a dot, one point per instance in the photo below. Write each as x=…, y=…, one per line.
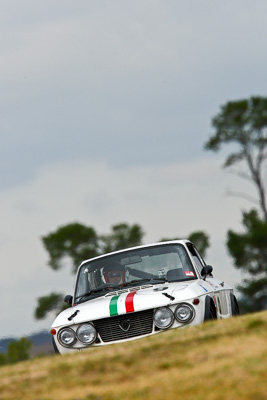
x=18, y=350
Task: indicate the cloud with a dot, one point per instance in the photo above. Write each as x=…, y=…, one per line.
x=135, y=84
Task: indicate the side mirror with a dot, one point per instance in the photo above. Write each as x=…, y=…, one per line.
x=207, y=270
x=68, y=299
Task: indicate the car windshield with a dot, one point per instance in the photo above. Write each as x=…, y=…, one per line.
x=154, y=264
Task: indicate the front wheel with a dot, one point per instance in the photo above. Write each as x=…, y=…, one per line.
x=234, y=306
x=210, y=310
x=54, y=346
x=212, y=314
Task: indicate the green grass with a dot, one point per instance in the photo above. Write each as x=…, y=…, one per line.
x=224, y=359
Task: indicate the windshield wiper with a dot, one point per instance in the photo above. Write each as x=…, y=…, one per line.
x=100, y=289
x=159, y=280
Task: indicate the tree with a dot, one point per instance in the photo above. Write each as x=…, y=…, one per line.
x=243, y=124
x=18, y=350
x=75, y=241
x=51, y=302
x=122, y=236
x=249, y=251
x=3, y=359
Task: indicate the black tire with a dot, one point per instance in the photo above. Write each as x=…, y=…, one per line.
x=54, y=346
x=210, y=310
x=213, y=314
x=234, y=305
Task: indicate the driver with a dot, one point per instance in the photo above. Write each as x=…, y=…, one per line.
x=114, y=274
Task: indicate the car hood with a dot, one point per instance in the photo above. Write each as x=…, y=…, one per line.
x=130, y=300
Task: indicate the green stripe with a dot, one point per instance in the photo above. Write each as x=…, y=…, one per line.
x=113, y=309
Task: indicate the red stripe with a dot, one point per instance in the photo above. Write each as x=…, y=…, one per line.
x=129, y=302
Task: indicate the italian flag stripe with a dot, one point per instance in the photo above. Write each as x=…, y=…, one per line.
x=129, y=302
x=129, y=306
x=113, y=308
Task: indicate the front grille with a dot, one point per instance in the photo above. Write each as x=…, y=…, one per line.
x=125, y=326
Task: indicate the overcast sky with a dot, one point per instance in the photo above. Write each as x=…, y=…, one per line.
x=105, y=107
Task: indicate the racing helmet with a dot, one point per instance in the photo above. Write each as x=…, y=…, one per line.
x=114, y=274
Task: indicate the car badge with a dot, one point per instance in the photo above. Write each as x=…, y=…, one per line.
x=125, y=325
x=159, y=289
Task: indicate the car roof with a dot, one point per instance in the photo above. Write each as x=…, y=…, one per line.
x=180, y=241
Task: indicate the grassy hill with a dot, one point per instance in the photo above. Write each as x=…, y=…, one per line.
x=224, y=359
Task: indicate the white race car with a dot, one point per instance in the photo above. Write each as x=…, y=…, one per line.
x=140, y=291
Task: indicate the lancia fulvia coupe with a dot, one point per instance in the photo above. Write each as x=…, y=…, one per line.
x=140, y=291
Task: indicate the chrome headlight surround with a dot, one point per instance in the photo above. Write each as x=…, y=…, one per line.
x=163, y=318
x=184, y=313
x=66, y=337
x=86, y=334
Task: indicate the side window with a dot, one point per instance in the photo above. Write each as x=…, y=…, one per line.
x=198, y=260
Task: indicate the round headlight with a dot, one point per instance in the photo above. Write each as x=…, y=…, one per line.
x=163, y=318
x=86, y=333
x=67, y=337
x=184, y=313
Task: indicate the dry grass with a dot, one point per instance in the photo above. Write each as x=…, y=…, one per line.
x=219, y=360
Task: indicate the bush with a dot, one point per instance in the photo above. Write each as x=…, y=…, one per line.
x=18, y=350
